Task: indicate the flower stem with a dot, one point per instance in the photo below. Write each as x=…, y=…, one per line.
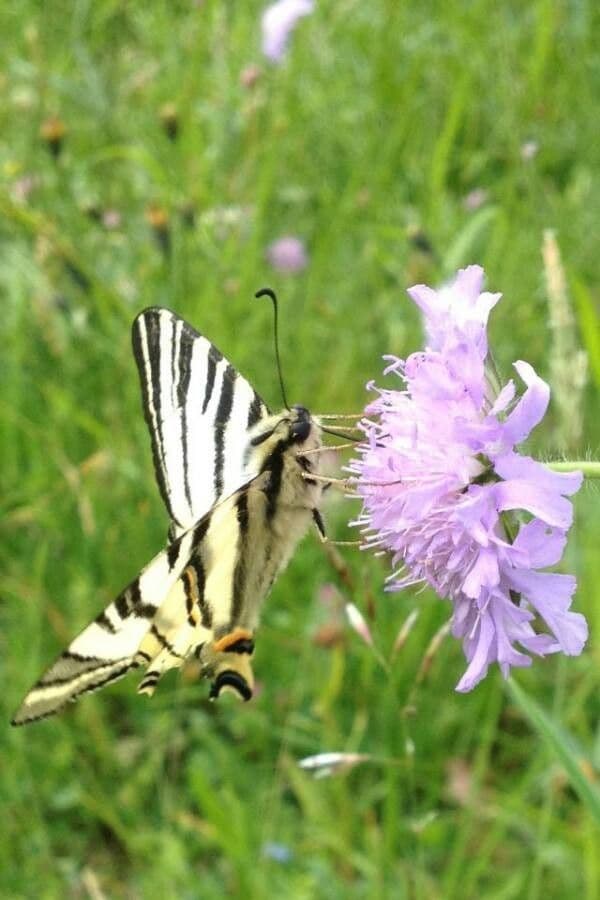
x=590, y=468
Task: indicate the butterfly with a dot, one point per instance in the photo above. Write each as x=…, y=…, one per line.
x=241, y=486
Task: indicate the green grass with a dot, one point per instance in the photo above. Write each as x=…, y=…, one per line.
x=382, y=120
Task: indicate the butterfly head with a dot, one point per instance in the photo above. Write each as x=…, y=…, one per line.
x=298, y=430
x=301, y=424
x=293, y=429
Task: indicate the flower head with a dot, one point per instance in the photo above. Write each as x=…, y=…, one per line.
x=287, y=254
x=444, y=489
x=278, y=21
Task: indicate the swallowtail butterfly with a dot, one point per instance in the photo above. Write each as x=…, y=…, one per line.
x=237, y=483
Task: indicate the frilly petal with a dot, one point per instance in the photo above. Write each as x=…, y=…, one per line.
x=530, y=409
x=511, y=465
x=425, y=298
x=541, y=544
x=481, y=657
x=505, y=397
x=469, y=281
x=546, y=505
x=550, y=594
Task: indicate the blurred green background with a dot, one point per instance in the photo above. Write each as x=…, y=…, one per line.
x=149, y=154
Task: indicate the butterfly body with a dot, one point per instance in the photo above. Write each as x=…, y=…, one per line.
x=240, y=548
x=236, y=481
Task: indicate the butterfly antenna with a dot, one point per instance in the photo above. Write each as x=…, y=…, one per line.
x=267, y=292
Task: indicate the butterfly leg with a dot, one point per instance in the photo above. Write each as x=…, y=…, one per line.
x=320, y=524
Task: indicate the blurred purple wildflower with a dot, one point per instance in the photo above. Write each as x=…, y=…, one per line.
x=111, y=219
x=278, y=21
x=287, y=254
x=23, y=187
x=442, y=487
x=475, y=199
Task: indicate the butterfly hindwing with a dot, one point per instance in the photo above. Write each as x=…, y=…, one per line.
x=187, y=601
x=108, y=648
x=198, y=409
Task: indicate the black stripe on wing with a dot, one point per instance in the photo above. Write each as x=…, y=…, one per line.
x=256, y=410
x=145, y=339
x=184, y=372
x=240, y=572
x=211, y=371
x=221, y=422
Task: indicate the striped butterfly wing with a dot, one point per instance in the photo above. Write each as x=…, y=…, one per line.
x=198, y=409
x=110, y=645
x=199, y=597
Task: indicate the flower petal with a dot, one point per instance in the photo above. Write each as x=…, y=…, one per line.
x=502, y=612
x=548, y=506
x=469, y=282
x=542, y=544
x=484, y=574
x=481, y=657
x=505, y=397
x=424, y=297
x=550, y=594
x=511, y=465
x=530, y=409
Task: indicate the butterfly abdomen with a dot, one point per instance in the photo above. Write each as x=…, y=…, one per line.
x=252, y=536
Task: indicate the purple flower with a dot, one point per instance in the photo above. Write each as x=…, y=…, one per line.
x=287, y=254
x=278, y=21
x=475, y=199
x=445, y=491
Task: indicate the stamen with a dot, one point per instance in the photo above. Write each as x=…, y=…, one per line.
x=377, y=483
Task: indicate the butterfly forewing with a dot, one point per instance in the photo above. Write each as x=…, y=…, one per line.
x=198, y=409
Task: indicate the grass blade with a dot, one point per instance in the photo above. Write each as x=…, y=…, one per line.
x=562, y=745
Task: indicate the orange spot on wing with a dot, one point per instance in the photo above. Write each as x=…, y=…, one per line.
x=238, y=634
